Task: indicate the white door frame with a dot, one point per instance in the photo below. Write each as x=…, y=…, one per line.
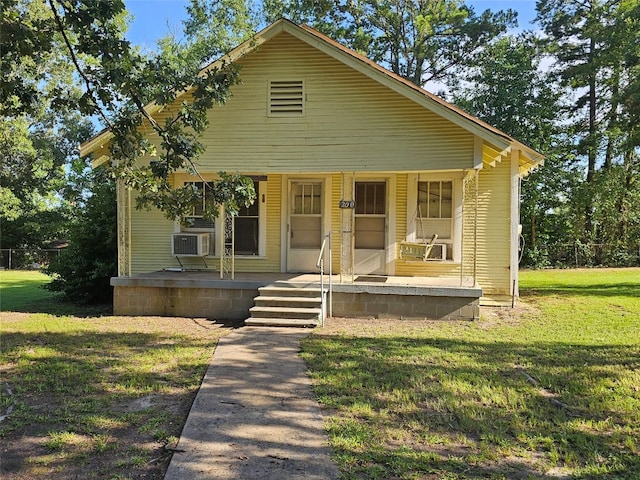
x=311, y=256
x=390, y=221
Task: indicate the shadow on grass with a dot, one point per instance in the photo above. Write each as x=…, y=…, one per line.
x=583, y=414
x=55, y=305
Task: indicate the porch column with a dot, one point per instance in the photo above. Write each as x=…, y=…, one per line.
x=346, y=230
x=469, y=233
x=123, y=200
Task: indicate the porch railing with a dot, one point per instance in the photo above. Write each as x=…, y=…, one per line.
x=320, y=264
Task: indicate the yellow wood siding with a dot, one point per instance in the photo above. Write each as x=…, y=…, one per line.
x=151, y=238
x=469, y=231
x=351, y=122
x=150, y=241
x=494, y=229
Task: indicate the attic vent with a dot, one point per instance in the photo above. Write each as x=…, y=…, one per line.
x=286, y=98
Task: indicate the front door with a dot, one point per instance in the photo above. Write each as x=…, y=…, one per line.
x=305, y=225
x=370, y=224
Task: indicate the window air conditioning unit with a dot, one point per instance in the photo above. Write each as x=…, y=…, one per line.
x=190, y=244
x=438, y=252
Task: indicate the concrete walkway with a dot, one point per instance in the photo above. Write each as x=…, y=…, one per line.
x=255, y=415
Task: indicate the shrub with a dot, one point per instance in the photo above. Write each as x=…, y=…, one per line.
x=82, y=272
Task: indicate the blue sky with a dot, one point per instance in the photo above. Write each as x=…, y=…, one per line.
x=154, y=18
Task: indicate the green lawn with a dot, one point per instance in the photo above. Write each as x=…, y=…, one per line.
x=548, y=390
x=23, y=291
x=551, y=389
x=20, y=289
x=87, y=396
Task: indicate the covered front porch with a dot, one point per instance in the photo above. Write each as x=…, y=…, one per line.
x=205, y=294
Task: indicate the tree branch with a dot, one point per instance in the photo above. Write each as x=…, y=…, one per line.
x=74, y=59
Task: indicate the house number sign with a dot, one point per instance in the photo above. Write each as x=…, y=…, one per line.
x=347, y=204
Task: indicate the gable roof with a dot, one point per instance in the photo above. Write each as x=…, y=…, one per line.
x=497, y=146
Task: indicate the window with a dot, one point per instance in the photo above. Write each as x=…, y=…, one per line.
x=307, y=199
x=195, y=221
x=435, y=206
x=435, y=210
x=246, y=225
x=371, y=198
x=249, y=224
x=435, y=199
x=286, y=98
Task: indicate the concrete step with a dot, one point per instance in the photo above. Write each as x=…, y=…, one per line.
x=287, y=305
x=286, y=312
x=289, y=291
x=281, y=322
x=264, y=301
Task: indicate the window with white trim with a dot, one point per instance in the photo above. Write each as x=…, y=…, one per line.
x=434, y=205
x=286, y=98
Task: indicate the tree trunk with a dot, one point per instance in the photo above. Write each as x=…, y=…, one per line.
x=591, y=151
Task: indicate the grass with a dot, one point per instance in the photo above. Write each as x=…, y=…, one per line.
x=92, y=397
x=549, y=390
x=23, y=291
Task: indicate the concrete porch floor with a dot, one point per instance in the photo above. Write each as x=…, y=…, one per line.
x=212, y=278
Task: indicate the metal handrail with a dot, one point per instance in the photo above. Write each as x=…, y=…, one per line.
x=320, y=265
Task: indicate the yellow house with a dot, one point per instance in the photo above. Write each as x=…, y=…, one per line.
x=348, y=158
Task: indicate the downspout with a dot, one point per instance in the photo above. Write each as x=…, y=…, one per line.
x=515, y=222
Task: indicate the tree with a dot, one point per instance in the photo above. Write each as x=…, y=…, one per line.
x=420, y=40
x=34, y=154
x=38, y=132
x=118, y=82
x=595, y=46
x=83, y=271
x=508, y=89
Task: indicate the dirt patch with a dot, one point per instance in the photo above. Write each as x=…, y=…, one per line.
x=490, y=317
x=494, y=316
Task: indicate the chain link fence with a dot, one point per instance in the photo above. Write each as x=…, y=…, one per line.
x=26, y=258
x=582, y=255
